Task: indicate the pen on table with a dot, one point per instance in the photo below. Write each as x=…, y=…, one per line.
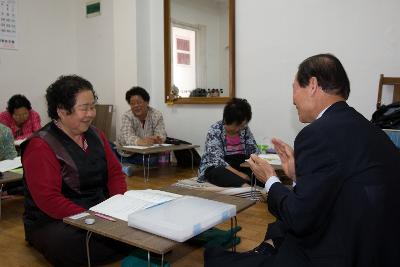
x=105, y=217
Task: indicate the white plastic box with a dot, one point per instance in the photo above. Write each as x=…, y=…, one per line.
x=182, y=218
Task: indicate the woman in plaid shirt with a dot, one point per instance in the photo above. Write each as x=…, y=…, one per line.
x=142, y=125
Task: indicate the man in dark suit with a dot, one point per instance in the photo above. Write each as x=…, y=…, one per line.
x=344, y=209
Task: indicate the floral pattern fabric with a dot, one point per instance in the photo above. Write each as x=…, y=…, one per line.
x=7, y=148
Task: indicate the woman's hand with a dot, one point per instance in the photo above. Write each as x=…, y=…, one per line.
x=145, y=141
x=156, y=139
x=149, y=140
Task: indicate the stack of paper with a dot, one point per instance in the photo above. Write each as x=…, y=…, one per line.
x=19, y=142
x=256, y=193
x=145, y=147
x=9, y=164
x=271, y=158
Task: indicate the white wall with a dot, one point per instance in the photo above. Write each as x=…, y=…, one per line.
x=118, y=50
x=46, y=49
x=143, y=38
x=56, y=38
x=95, y=49
x=106, y=52
x=272, y=38
x=125, y=60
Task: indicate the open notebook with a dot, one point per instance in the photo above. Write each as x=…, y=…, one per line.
x=144, y=147
x=10, y=164
x=120, y=206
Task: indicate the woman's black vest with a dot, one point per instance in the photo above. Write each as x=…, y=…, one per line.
x=84, y=174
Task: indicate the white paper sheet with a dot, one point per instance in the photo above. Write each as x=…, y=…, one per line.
x=10, y=164
x=120, y=206
x=19, y=142
x=145, y=147
x=270, y=158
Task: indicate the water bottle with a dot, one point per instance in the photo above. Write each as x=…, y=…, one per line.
x=128, y=170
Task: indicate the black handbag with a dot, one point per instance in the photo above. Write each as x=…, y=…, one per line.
x=387, y=117
x=184, y=157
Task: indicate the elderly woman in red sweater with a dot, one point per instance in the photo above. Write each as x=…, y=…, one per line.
x=68, y=168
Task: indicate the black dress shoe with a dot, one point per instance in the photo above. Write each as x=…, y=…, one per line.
x=264, y=249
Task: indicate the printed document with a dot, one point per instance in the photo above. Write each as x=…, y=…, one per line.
x=270, y=158
x=120, y=206
x=145, y=147
x=9, y=164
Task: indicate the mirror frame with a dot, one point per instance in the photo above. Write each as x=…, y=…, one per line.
x=167, y=60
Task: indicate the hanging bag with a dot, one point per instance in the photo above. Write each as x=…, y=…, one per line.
x=387, y=116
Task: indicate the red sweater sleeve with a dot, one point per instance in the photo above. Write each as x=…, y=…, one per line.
x=43, y=176
x=116, y=178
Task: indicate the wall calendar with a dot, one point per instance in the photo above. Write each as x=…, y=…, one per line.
x=8, y=24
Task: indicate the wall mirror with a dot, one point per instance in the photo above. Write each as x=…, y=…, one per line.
x=199, y=51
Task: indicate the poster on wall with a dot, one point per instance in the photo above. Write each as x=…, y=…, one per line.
x=8, y=24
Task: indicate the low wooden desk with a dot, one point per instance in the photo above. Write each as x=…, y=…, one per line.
x=8, y=177
x=120, y=230
x=154, y=150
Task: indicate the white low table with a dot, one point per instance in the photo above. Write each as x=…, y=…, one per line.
x=147, y=151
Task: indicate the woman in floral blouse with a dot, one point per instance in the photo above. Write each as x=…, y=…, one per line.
x=228, y=144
